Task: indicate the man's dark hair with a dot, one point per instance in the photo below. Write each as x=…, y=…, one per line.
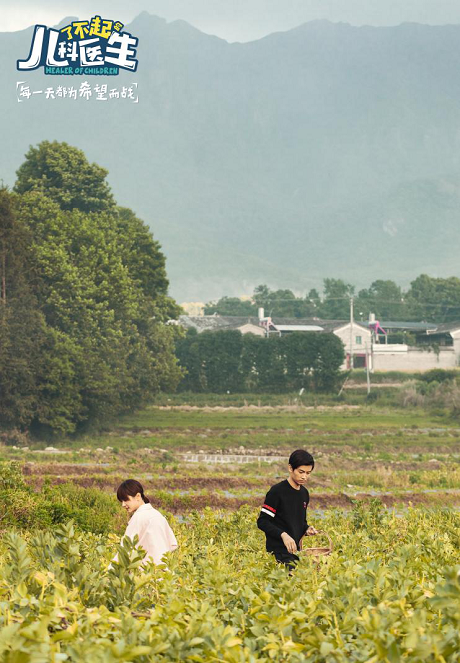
x=301, y=457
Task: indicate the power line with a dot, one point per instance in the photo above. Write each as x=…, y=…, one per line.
x=377, y=302
x=448, y=312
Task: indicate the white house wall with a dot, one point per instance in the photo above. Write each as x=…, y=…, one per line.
x=358, y=348
x=456, y=339
x=395, y=358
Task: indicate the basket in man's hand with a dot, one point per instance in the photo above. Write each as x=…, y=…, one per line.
x=319, y=551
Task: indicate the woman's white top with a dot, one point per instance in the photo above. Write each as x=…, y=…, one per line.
x=154, y=532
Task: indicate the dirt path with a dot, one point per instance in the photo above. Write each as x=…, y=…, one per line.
x=254, y=408
x=374, y=385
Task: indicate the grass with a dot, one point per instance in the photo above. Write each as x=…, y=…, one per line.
x=331, y=419
x=381, y=377
x=351, y=395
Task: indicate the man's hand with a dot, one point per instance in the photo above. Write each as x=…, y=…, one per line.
x=289, y=542
x=311, y=531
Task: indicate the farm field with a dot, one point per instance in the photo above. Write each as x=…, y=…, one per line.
x=190, y=457
x=386, y=487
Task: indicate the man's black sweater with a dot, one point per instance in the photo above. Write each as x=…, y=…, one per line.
x=284, y=510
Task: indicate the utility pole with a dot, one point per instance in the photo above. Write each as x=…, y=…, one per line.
x=351, y=333
x=367, y=371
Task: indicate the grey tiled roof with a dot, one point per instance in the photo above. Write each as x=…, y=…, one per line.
x=215, y=322
x=426, y=327
x=445, y=327
x=408, y=326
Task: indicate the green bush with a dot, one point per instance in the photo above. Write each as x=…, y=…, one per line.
x=360, y=375
x=439, y=375
x=11, y=475
x=92, y=510
x=390, y=592
x=227, y=361
x=444, y=396
x=14, y=437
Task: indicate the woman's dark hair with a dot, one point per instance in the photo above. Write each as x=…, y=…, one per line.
x=301, y=457
x=130, y=488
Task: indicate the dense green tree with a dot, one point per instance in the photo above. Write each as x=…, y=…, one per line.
x=64, y=174
x=88, y=296
x=434, y=299
x=231, y=306
x=227, y=361
x=276, y=303
x=188, y=355
x=283, y=303
x=428, y=299
x=255, y=363
x=212, y=361
x=300, y=350
x=37, y=380
x=313, y=360
x=96, y=295
x=220, y=353
x=145, y=262
x=336, y=300
x=314, y=299
x=384, y=298
x=22, y=328
x=269, y=363
x=330, y=355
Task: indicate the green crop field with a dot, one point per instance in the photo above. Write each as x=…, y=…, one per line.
x=390, y=591
x=386, y=487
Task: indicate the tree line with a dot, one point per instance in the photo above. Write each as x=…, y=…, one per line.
x=83, y=299
x=226, y=360
x=428, y=299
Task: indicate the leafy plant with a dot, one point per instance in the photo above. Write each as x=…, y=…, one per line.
x=389, y=592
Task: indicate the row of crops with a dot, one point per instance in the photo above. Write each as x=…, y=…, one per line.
x=389, y=592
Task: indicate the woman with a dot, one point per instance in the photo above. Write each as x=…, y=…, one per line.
x=155, y=535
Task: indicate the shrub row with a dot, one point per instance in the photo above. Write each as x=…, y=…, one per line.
x=228, y=361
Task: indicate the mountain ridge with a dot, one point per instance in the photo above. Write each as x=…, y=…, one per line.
x=324, y=150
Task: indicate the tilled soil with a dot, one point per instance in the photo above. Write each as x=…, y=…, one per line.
x=182, y=504
x=36, y=480
x=321, y=502
x=145, y=463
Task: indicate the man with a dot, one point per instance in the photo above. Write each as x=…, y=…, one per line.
x=283, y=516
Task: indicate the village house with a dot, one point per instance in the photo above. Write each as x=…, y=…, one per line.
x=359, y=338
x=436, y=345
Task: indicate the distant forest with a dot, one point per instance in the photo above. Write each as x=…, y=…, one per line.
x=427, y=299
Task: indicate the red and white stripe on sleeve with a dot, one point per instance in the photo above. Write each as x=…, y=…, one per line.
x=266, y=508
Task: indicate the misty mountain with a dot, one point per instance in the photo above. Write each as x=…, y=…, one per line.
x=327, y=150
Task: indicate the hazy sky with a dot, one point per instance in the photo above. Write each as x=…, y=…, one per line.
x=235, y=20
